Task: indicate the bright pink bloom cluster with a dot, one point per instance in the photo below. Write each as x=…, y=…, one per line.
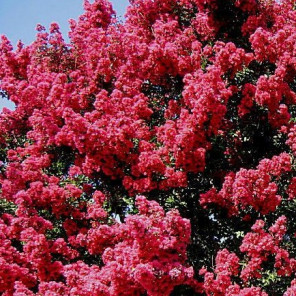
x=251, y=187
x=145, y=253
x=258, y=245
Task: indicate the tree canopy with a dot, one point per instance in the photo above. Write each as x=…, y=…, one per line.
x=152, y=156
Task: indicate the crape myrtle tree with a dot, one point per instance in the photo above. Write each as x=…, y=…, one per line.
x=153, y=156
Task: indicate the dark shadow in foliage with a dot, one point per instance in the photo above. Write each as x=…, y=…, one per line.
x=184, y=290
x=231, y=19
x=62, y=159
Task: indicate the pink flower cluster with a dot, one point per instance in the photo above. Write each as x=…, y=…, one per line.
x=252, y=187
x=145, y=253
x=258, y=245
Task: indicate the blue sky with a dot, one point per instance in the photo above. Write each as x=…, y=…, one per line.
x=18, y=18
